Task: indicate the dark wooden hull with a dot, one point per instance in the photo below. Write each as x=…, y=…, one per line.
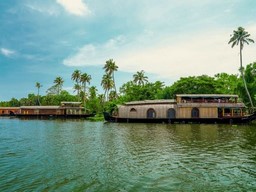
x=49, y=116
x=226, y=120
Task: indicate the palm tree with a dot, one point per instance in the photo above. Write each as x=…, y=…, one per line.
x=58, y=83
x=93, y=92
x=76, y=75
x=77, y=88
x=85, y=78
x=240, y=37
x=140, y=78
x=110, y=67
x=38, y=86
x=107, y=84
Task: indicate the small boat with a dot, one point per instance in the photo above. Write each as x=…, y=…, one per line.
x=185, y=108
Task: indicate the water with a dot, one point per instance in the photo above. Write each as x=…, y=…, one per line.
x=57, y=155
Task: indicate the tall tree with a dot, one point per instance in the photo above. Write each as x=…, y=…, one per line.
x=58, y=83
x=85, y=78
x=110, y=67
x=76, y=75
x=241, y=37
x=38, y=86
x=140, y=78
x=107, y=84
x=77, y=88
x=93, y=92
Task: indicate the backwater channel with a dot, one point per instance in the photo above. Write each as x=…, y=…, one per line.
x=79, y=155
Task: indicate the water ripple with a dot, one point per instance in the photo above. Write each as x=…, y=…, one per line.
x=93, y=156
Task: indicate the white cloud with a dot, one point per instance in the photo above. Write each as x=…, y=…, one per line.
x=45, y=9
x=204, y=53
x=7, y=52
x=91, y=54
x=76, y=7
x=170, y=58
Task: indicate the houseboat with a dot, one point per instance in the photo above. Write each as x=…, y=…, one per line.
x=65, y=110
x=185, y=108
x=9, y=111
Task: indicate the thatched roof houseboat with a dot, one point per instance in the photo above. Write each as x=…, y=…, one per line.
x=65, y=110
x=199, y=108
x=9, y=111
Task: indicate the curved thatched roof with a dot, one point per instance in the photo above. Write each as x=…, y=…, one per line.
x=146, y=102
x=207, y=95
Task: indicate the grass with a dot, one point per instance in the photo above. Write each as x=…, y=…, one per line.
x=97, y=117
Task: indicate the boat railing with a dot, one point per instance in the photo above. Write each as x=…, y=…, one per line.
x=220, y=105
x=208, y=101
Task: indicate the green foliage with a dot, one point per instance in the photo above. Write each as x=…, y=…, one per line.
x=133, y=92
x=226, y=84
x=53, y=90
x=250, y=77
x=221, y=83
x=57, y=99
x=98, y=117
x=241, y=37
x=139, y=78
x=30, y=100
x=193, y=85
x=94, y=104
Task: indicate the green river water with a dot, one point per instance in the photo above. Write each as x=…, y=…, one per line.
x=65, y=155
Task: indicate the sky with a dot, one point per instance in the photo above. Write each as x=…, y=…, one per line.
x=168, y=39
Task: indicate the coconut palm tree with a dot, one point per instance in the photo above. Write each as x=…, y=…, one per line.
x=38, y=86
x=58, y=83
x=107, y=84
x=110, y=67
x=77, y=88
x=93, y=92
x=76, y=75
x=240, y=37
x=85, y=78
x=140, y=78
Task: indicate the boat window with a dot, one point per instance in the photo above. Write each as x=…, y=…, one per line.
x=195, y=113
x=171, y=113
x=227, y=112
x=237, y=112
x=133, y=110
x=151, y=113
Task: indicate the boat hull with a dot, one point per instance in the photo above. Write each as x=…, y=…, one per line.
x=226, y=120
x=49, y=116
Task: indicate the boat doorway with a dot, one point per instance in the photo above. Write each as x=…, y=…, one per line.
x=151, y=113
x=171, y=113
x=195, y=113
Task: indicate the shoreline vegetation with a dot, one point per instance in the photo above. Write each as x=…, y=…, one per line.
x=140, y=88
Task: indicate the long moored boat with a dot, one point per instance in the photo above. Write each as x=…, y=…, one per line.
x=65, y=110
x=194, y=108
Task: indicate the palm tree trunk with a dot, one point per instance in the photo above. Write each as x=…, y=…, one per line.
x=242, y=73
x=84, y=95
x=38, y=97
x=115, y=86
x=104, y=97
